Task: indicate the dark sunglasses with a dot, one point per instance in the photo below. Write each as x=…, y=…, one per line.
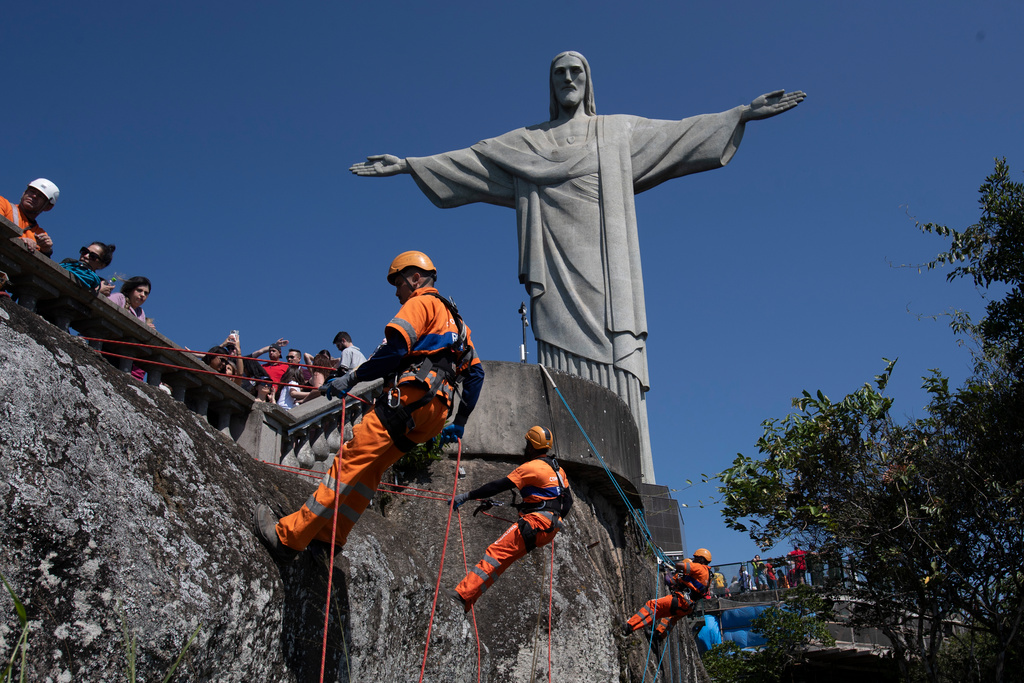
x=84, y=251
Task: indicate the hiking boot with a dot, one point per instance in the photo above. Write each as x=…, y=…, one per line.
x=454, y=595
x=264, y=524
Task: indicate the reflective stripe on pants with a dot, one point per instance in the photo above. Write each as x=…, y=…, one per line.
x=359, y=470
x=500, y=555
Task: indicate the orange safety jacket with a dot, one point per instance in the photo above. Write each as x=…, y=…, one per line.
x=440, y=344
x=29, y=229
x=540, y=484
x=545, y=491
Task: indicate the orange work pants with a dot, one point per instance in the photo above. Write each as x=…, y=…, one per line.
x=500, y=555
x=668, y=610
x=358, y=470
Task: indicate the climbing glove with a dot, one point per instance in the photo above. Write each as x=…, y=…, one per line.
x=451, y=433
x=459, y=500
x=338, y=386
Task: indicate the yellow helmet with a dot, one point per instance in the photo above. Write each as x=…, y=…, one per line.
x=703, y=553
x=539, y=437
x=410, y=259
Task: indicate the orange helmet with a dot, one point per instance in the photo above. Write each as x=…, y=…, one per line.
x=539, y=437
x=703, y=553
x=410, y=259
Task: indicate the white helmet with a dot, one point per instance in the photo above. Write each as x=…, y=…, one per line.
x=47, y=188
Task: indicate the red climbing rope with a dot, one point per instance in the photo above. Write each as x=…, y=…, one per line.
x=334, y=533
x=437, y=588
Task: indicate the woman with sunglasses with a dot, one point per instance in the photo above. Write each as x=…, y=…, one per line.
x=96, y=256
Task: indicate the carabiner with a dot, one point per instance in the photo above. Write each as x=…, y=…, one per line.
x=394, y=397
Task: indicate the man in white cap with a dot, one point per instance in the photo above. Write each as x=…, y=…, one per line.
x=40, y=195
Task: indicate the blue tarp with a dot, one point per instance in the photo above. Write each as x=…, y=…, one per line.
x=709, y=634
x=733, y=626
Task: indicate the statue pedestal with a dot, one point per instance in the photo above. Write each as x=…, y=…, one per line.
x=517, y=396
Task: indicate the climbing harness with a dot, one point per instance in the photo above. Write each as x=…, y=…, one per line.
x=437, y=371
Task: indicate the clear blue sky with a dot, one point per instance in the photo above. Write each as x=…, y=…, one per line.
x=211, y=141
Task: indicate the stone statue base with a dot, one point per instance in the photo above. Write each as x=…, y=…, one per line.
x=616, y=380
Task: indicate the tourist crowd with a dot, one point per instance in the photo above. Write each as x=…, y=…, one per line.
x=795, y=568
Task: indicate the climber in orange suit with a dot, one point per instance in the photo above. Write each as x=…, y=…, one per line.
x=426, y=354
x=687, y=584
x=546, y=501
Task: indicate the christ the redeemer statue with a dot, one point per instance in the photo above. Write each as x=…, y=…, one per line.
x=571, y=181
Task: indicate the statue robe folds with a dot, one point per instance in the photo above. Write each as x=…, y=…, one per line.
x=579, y=253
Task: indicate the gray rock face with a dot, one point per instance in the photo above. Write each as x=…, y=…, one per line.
x=117, y=501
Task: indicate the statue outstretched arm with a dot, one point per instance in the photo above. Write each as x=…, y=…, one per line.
x=772, y=104
x=380, y=165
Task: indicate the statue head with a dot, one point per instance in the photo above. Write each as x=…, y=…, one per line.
x=588, y=96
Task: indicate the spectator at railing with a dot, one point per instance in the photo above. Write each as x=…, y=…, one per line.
x=734, y=586
x=274, y=368
x=96, y=256
x=769, y=572
x=254, y=373
x=745, y=583
x=220, y=364
x=759, y=578
x=305, y=374
x=134, y=292
x=264, y=392
x=290, y=394
x=799, y=564
x=718, y=582
x=39, y=196
x=782, y=570
x=323, y=368
x=233, y=374
x=351, y=356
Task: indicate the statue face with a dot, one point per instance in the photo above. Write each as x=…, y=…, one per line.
x=569, y=80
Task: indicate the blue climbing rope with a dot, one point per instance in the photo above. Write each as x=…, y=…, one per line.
x=637, y=515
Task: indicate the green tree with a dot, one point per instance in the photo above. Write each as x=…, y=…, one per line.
x=799, y=621
x=992, y=255
x=925, y=515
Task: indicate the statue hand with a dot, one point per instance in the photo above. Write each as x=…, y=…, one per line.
x=380, y=165
x=772, y=104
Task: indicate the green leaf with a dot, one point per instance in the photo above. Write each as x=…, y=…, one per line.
x=18, y=607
